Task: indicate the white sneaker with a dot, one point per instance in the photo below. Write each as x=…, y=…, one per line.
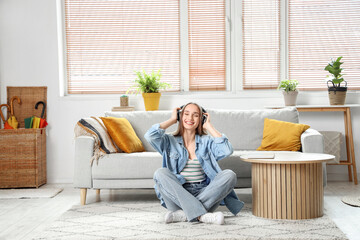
x=177, y=216
x=215, y=218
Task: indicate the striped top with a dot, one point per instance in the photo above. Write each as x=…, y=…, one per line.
x=193, y=171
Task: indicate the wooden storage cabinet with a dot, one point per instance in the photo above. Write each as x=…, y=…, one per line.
x=22, y=158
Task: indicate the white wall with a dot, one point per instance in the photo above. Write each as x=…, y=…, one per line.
x=29, y=57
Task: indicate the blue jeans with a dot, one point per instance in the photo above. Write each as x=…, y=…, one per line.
x=195, y=199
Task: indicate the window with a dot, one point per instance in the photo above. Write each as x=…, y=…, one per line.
x=207, y=53
x=319, y=30
x=312, y=32
x=261, y=43
x=188, y=39
x=107, y=40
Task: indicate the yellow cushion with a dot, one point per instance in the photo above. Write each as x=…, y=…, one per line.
x=123, y=134
x=281, y=136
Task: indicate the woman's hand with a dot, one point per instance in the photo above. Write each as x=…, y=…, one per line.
x=174, y=114
x=210, y=128
x=207, y=121
x=172, y=120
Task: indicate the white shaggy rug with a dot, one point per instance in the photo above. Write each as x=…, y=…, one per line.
x=144, y=220
x=29, y=193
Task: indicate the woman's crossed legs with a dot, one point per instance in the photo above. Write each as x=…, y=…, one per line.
x=194, y=199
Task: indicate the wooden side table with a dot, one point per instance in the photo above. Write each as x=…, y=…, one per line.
x=290, y=186
x=350, y=162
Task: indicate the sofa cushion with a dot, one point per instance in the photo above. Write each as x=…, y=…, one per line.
x=123, y=134
x=244, y=128
x=141, y=121
x=143, y=165
x=281, y=135
x=127, y=165
x=242, y=169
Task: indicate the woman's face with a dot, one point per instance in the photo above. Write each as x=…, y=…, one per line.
x=191, y=117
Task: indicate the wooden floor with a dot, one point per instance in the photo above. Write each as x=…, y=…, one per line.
x=25, y=218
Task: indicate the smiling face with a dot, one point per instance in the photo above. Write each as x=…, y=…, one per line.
x=191, y=117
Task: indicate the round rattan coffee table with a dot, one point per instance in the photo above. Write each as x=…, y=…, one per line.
x=289, y=186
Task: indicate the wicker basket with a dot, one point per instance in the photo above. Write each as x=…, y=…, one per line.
x=337, y=95
x=22, y=158
x=23, y=151
x=124, y=101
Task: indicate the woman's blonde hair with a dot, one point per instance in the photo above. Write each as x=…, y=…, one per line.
x=199, y=130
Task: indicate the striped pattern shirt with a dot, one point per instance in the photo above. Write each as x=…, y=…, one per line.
x=193, y=171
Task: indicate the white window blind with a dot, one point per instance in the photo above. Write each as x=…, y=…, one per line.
x=107, y=40
x=320, y=30
x=261, y=43
x=207, y=45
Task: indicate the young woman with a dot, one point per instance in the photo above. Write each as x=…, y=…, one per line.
x=191, y=185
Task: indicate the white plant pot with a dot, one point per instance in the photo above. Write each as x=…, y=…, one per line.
x=290, y=97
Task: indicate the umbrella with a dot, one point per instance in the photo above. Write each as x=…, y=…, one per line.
x=28, y=122
x=42, y=121
x=12, y=119
x=36, y=122
x=6, y=124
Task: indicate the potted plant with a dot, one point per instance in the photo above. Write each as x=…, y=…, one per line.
x=337, y=94
x=124, y=101
x=289, y=91
x=149, y=85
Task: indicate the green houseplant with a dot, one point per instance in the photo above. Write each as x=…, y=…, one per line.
x=149, y=85
x=337, y=93
x=290, y=91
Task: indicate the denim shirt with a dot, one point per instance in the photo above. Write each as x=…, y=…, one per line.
x=208, y=151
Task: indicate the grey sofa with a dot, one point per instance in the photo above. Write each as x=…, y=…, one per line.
x=244, y=129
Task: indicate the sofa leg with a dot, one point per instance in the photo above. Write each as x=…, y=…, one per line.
x=83, y=196
x=97, y=195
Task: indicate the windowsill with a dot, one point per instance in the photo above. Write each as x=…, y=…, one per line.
x=204, y=95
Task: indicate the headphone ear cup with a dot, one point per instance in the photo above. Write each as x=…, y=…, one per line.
x=178, y=113
x=203, y=119
x=204, y=116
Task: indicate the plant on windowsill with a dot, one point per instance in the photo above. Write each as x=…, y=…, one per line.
x=124, y=101
x=149, y=85
x=289, y=91
x=337, y=94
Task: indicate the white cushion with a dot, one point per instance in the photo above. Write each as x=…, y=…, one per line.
x=332, y=144
x=244, y=128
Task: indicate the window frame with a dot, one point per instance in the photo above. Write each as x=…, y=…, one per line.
x=284, y=51
x=323, y=87
x=184, y=56
x=234, y=59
